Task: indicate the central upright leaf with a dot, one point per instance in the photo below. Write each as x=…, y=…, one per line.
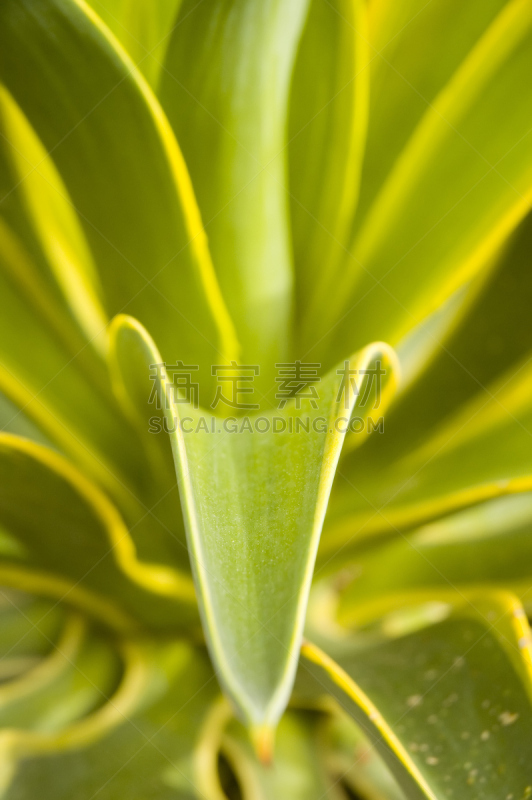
x=254, y=492
x=225, y=87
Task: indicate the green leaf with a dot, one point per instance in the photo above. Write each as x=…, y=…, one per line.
x=29, y=625
x=76, y=547
x=448, y=707
x=355, y=763
x=327, y=130
x=482, y=452
x=487, y=546
x=254, y=504
x=142, y=224
x=51, y=309
x=47, y=371
x=455, y=193
x=77, y=729
x=61, y=702
x=227, y=75
x=144, y=29
x=43, y=199
x=13, y=420
x=407, y=77
x=298, y=770
x=481, y=348
x=67, y=684
x=147, y=748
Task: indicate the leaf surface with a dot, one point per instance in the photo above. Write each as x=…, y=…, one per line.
x=12, y=420
x=225, y=89
x=145, y=751
x=47, y=372
x=76, y=547
x=253, y=499
x=36, y=205
x=71, y=681
x=407, y=77
x=485, y=546
x=143, y=224
x=29, y=627
x=52, y=324
x=144, y=29
x=327, y=131
x=453, y=196
x=297, y=772
x=480, y=453
x=448, y=707
x=481, y=348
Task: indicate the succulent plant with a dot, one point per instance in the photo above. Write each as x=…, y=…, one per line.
x=266, y=399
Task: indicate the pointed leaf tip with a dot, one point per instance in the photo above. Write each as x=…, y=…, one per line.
x=263, y=739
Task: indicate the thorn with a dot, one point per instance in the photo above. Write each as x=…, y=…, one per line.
x=262, y=737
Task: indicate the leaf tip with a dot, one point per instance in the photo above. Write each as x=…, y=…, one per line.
x=263, y=737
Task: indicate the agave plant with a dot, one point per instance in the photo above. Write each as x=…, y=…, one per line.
x=237, y=237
